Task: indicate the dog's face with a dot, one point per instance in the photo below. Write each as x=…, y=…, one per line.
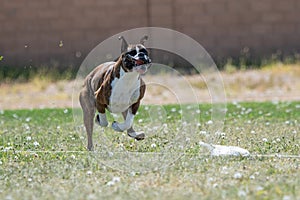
x=135, y=57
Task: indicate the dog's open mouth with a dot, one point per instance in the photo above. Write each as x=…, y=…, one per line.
x=142, y=68
x=139, y=62
x=141, y=65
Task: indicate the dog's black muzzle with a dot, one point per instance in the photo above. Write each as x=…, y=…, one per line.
x=139, y=59
x=141, y=62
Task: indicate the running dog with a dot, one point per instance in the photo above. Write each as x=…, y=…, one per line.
x=116, y=87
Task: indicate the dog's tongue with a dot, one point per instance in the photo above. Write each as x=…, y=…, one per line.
x=139, y=62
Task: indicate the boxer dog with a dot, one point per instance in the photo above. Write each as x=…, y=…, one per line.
x=116, y=87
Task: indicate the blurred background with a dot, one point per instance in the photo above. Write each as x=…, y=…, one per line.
x=52, y=37
x=60, y=33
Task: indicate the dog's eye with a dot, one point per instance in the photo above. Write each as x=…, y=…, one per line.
x=132, y=53
x=144, y=51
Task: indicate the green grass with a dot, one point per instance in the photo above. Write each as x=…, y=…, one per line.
x=43, y=155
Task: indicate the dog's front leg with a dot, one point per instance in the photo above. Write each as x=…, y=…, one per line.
x=131, y=132
x=101, y=119
x=101, y=116
x=120, y=127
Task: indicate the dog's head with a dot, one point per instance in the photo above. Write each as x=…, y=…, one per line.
x=135, y=57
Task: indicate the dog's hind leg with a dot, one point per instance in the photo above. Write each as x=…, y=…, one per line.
x=88, y=108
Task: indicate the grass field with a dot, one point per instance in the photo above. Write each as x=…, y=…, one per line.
x=43, y=155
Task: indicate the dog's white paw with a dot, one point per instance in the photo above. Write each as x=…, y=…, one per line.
x=136, y=135
x=102, y=123
x=116, y=127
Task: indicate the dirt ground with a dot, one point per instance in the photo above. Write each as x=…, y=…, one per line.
x=274, y=84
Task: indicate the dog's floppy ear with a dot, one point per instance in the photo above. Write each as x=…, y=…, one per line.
x=124, y=44
x=143, y=39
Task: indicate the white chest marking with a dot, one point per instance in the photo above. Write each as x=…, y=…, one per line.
x=125, y=92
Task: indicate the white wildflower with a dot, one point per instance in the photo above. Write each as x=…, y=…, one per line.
x=173, y=110
x=237, y=175
x=36, y=144
x=89, y=173
x=153, y=145
x=110, y=183
x=286, y=197
x=114, y=180
x=132, y=173
x=209, y=122
x=259, y=188
x=203, y=132
x=242, y=193
x=252, y=177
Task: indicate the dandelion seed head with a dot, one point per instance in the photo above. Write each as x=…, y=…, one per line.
x=36, y=144
x=116, y=179
x=237, y=175
x=209, y=122
x=89, y=173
